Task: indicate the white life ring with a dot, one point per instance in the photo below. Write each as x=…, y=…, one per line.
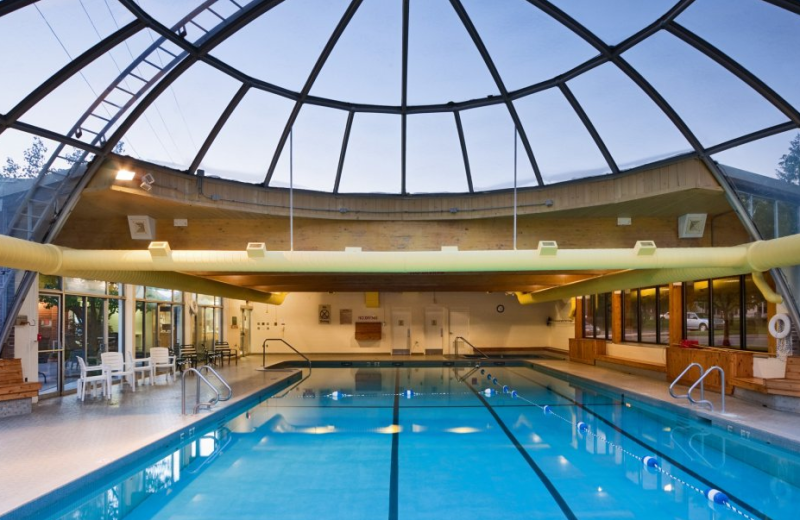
x=193, y=306
x=787, y=326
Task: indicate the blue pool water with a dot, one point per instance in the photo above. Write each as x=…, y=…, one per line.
x=354, y=443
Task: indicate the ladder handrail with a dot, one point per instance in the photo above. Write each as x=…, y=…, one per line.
x=264, y=351
x=465, y=340
x=675, y=382
x=700, y=382
x=198, y=404
x=221, y=380
x=461, y=379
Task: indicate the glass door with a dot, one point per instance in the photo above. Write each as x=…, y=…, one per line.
x=74, y=340
x=244, y=334
x=165, y=326
x=49, y=344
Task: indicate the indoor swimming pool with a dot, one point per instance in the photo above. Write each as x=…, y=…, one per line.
x=444, y=443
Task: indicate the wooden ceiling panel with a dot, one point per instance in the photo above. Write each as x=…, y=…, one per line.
x=393, y=282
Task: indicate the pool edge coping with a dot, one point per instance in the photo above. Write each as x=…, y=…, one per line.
x=53, y=497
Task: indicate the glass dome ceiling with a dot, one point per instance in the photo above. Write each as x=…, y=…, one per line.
x=398, y=96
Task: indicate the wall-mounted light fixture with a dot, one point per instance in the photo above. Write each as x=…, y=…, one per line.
x=147, y=182
x=125, y=175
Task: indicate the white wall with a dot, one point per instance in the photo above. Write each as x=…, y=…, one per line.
x=26, y=346
x=297, y=322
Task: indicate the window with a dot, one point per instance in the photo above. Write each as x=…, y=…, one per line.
x=597, y=316
x=645, y=315
x=158, y=321
x=726, y=312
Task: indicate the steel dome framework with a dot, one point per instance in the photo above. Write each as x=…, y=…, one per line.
x=108, y=120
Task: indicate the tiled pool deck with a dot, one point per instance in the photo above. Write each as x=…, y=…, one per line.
x=64, y=439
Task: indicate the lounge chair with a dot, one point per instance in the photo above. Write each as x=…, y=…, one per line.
x=98, y=375
x=117, y=367
x=161, y=359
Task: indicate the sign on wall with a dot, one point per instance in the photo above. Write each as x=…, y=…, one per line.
x=325, y=314
x=345, y=316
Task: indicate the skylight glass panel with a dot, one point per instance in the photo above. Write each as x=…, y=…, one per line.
x=434, y=162
x=244, y=148
x=173, y=128
x=763, y=38
x=18, y=171
x=564, y=148
x=632, y=126
x=526, y=45
x=283, y=44
x=63, y=107
x=715, y=104
x=761, y=157
x=372, y=163
x=317, y=145
x=489, y=134
x=29, y=51
x=370, y=73
x=443, y=62
x=614, y=20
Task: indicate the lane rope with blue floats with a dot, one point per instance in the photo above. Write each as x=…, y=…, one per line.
x=650, y=462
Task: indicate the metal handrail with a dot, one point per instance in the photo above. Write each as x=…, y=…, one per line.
x=218, y=448
x=455, y=343
x=264, y=353
x=700, y=382
x=197, y=404
x=208, y=368
x=686, y=396
x=463, y=378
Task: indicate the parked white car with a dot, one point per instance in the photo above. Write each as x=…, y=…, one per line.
x=698, y=321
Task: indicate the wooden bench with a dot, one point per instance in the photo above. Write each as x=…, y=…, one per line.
x=785, y=386
x=643, y=365
x=14, y=387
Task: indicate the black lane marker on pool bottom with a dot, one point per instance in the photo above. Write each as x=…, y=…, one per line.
x=535, y=467
x=393, y=474
x=750, y=509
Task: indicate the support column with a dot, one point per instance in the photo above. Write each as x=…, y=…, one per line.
x=616, y=317
x=675, y=313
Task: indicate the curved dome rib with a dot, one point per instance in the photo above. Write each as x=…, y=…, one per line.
x=345, y=140
x=195, y=53
x=215, y=130
x=587, y=122
x=735, y=68
x=487, y=59
x=72, y=68
x=312, y=77
x=464, y=153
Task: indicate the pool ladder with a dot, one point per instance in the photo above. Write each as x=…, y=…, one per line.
x=474, y=348
x=700, y=382
x=200, y=377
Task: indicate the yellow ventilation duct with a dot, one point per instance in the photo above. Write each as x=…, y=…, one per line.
x=653, y=265
x=181, y=282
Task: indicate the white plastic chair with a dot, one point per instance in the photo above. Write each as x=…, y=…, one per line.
x=160, y=359
x=86, y=379
x=117, y=367
x=140, y=366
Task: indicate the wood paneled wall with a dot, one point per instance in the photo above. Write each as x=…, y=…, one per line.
x=630, y=187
